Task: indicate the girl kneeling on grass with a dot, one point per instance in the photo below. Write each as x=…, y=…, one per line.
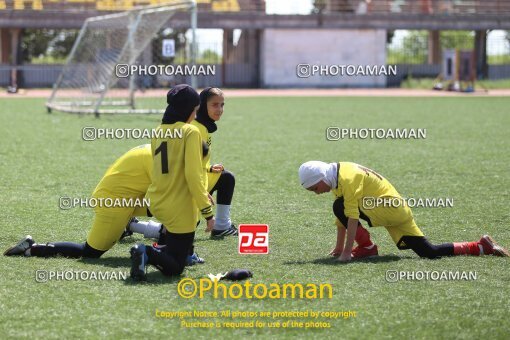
x=357, y=190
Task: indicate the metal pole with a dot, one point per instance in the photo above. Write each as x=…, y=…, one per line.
x=132, y=31
x=69, y=58
x=132, y=76
x=194, y=20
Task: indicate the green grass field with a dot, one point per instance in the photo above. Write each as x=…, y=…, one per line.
x=263, y=141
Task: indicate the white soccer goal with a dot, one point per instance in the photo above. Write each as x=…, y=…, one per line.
x=88, y=82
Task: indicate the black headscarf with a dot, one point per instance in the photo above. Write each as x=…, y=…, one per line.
x=202, y=115
x=181, y=100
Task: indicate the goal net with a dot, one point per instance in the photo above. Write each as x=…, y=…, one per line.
x=97, y=77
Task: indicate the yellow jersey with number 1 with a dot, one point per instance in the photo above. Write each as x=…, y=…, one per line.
x=177, y=192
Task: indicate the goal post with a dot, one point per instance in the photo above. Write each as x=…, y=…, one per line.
x=96, y=77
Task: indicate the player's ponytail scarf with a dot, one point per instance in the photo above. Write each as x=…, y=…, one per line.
x=312, y=172
x=182, y=100
x=202, y=115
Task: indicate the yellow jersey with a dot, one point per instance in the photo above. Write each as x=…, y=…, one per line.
x=207, y=139
x=128, y=177
x=178, y=192
x=358, y=185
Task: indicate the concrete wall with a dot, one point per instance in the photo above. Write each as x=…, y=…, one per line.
x=31, y=75
x=283, y=49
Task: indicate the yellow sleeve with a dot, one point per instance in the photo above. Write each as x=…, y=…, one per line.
x=206, y=161
x=353, y=192
x=194, y=173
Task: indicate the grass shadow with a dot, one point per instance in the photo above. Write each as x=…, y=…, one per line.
x=332, y=261
x=111, y=262
x=131, y=240
x=154, y=278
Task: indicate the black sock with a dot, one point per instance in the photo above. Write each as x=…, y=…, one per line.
x=66, y=249
x=421, y=246
x=171, y=259
x=162, y=236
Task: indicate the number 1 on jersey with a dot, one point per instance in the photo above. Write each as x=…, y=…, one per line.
x=164, y=157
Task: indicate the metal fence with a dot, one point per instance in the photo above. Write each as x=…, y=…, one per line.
x=236, y=68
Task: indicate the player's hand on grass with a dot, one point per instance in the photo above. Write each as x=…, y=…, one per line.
x=217, y=168
x=211, y=199
x=210, y=224
x=345, y=257
x=336, y=252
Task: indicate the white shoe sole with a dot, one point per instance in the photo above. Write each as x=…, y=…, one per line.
x=496, y=248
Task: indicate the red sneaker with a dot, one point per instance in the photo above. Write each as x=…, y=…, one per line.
x=363, y=252
x=490, y=247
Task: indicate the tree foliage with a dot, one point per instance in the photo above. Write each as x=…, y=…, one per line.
x=413, y=48
x=46, y=44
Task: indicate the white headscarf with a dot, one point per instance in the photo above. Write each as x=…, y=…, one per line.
x=312, y=172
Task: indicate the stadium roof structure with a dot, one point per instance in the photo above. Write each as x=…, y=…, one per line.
x=248, y=14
